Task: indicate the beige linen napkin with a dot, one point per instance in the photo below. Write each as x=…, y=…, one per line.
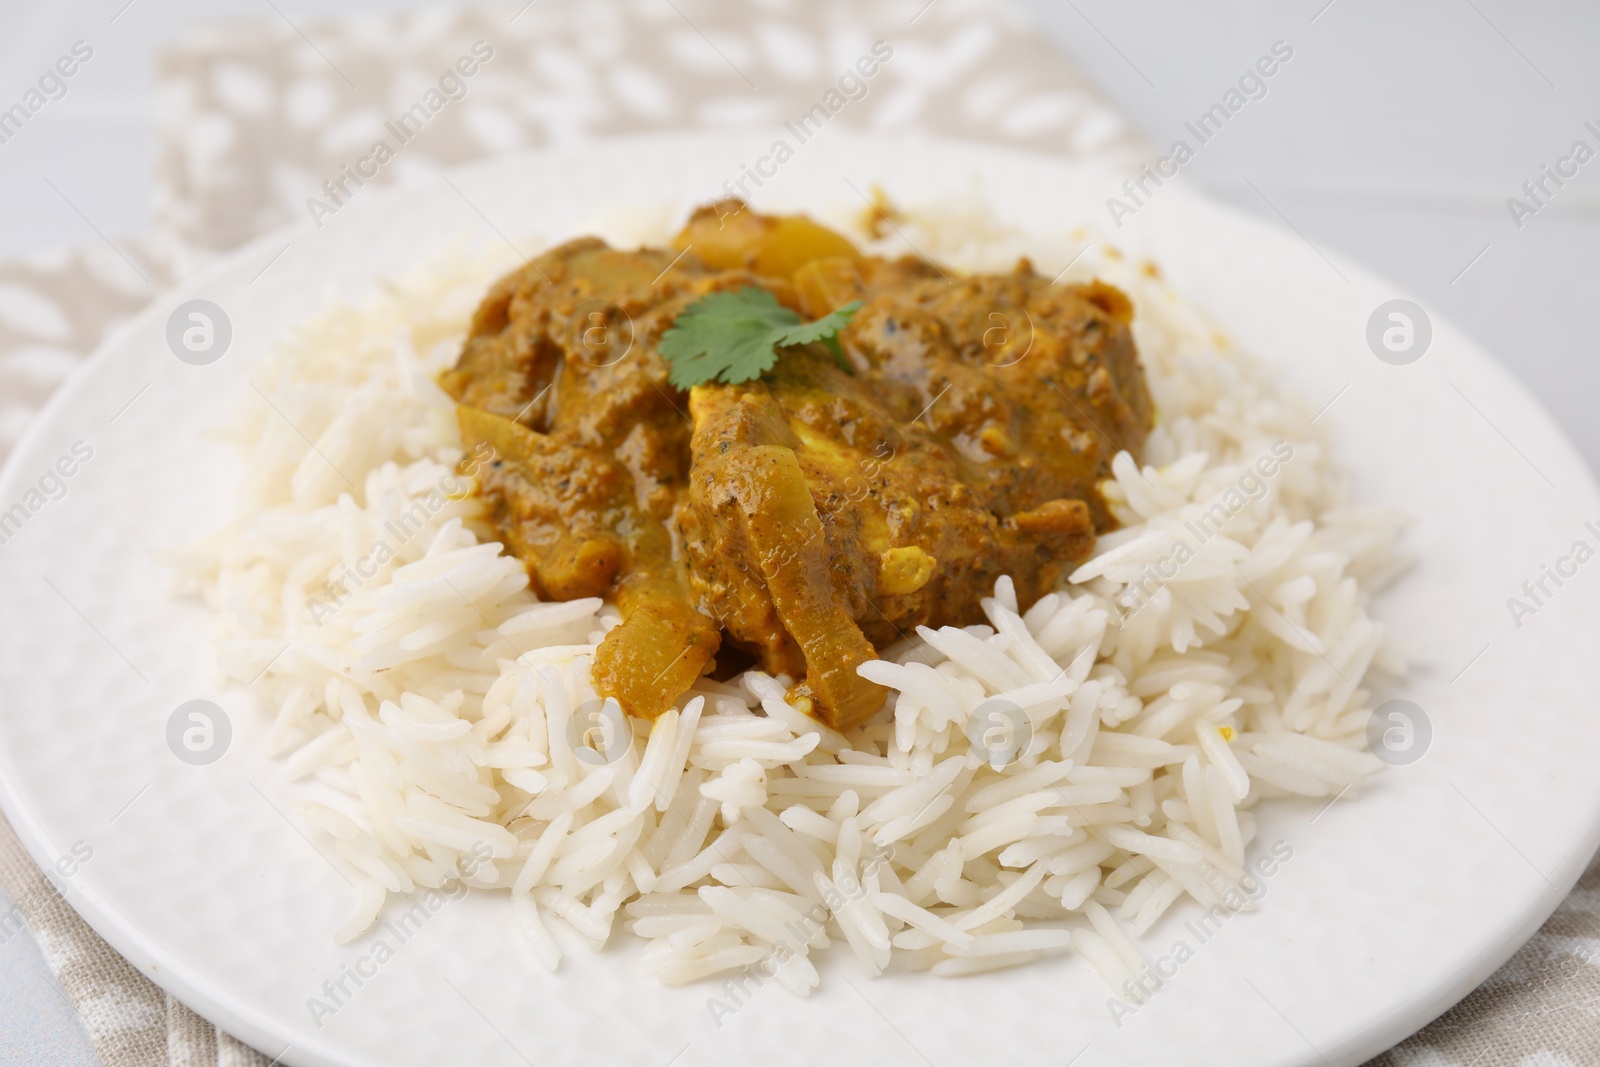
x=256, y=116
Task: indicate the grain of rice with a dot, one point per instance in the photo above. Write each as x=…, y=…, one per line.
x=725, y=958
x=1105, y=961
x=722, y=849
x=1014, y=941
x=929, y=923
x=534, y=933
x=1002, y=901
x=960, y=968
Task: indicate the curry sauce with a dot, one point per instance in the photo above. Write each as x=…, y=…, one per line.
x=818, y=513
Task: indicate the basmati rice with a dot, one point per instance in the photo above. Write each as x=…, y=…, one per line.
x=432, y=706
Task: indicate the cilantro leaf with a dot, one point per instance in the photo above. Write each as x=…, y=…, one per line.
x=734, y=337
x=823, y=329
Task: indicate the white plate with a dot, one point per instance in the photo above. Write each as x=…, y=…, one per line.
x=1394, y=905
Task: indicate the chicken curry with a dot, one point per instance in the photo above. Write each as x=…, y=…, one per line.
x=955, y=430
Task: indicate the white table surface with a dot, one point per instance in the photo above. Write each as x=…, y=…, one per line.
x=1395, y=135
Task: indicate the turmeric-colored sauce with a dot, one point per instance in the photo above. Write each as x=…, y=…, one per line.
x=812, y=516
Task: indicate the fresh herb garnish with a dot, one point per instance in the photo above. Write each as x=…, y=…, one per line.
x=735, y=337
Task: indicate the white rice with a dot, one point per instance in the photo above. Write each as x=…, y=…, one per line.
x=428, y=703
